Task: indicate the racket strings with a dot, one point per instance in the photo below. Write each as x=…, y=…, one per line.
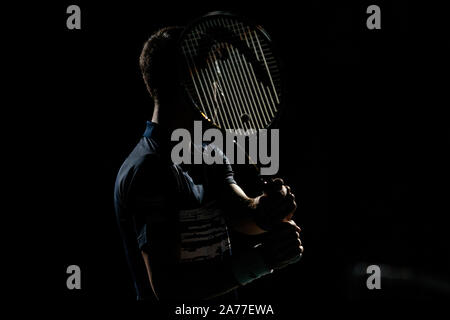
x=254, y=81
x=237, y=107
x=226, y=85
x=230, y=77
x=217, y=114
x=256, y=116
x=203, y=84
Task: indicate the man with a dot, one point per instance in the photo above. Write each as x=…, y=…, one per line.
x=174, y=219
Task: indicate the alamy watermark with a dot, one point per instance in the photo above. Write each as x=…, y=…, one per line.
x=236, y=145
x=73, y=21
x=374, y=280
x=74, y=279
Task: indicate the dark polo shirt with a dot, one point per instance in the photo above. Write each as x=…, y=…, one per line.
x=149, y=188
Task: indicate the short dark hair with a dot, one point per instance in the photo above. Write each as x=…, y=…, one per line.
x=158, y=60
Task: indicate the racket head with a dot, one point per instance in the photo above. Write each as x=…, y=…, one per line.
x=231, y=72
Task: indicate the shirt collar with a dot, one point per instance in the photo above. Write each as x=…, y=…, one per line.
x=152, y=130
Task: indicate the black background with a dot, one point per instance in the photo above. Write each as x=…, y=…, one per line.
x=364, y=144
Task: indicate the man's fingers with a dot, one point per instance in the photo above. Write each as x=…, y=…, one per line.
x=286, y=209
x=275, y=198
x=278, y=182
x=284, y=250
x=294, y=225
x=274, y=185
x=282, y=235
x=283, y=245
x=284, y=230
x=288, y=226
x=288, y=251
x=278, y=193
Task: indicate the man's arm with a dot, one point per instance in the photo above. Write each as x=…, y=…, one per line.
x=242, y=209
x=159, y=241
x=172, y=280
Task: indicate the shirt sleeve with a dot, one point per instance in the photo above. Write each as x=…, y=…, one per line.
x=228, y=171
x=224, y=170
x=132, y=224
x=148, y=199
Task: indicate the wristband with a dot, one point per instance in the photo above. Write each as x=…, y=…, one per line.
x=249, y=266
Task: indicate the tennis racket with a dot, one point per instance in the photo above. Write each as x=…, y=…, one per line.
x=231, y=73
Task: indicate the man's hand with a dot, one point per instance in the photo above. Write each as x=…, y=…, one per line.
x=282, y=245
x=277, y=204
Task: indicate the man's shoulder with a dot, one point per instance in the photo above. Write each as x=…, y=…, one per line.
x=145, y=151
x=143, y=162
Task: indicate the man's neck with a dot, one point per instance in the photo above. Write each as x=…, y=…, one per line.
x=155, y=117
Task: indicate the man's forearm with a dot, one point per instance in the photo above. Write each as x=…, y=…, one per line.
x=241, y=211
